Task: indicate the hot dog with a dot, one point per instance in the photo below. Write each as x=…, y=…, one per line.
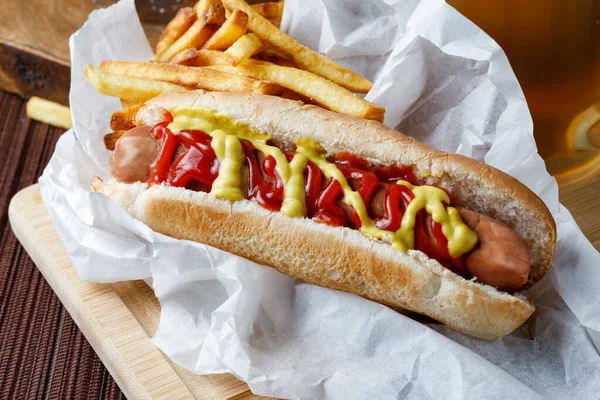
x=396, y=221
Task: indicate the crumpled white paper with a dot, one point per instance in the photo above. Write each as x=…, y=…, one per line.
x=441, y=80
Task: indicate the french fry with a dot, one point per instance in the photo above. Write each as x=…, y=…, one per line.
x=291, y=95
x=128, y=88
x=244, y=48
x=198, y=33
x=322, y=91
x=283, y=61
x=110, y=140
x=229, y=32
x=300, y=85
x=124, y=119
x=273, y=56
x=201, y=58
x=302, y=56
x=202, y=6
x=190, y=55
x=186, y=57
x=175, y=29
x=196, y=77
x=273, y=11
x=215, y=14
x=128, y=103
x=49, y=112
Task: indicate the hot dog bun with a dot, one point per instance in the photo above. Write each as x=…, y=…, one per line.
x=342, y=258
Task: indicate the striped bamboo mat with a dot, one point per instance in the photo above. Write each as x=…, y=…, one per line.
x=43, y=355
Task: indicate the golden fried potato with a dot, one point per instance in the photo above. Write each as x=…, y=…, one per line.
x=273, y=56
x=229, y=32
x=198, y=33
x=129, y=88
x=110, y=140
x=244, y=48
x=202, y=6
x=273, y=11
x=322, y=91
x=175, y=29
x=302, y=56
x=124, y=119
x=49, y=112
x=193, y=77
x=200, y=58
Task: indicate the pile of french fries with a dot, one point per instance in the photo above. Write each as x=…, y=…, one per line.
x=228, y=45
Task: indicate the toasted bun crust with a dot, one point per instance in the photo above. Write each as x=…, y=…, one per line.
x=342, y=258
x=337, y=258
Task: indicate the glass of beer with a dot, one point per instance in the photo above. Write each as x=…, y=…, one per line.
x=554, y=49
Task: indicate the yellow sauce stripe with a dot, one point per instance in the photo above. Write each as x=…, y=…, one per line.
x=294, y=192
x=229, y=183
x=460, y=238
x=207, y=120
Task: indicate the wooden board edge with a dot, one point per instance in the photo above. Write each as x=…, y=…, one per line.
x=27, y=71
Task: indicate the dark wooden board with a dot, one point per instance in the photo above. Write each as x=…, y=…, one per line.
x=34, y=40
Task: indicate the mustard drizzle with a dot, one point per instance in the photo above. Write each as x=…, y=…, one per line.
x=229, y=183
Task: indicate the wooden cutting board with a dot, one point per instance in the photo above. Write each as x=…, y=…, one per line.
x=117, y=319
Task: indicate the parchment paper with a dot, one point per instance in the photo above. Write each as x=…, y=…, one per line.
x=441, y=80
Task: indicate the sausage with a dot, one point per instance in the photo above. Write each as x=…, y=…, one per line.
x=501, y=257
x=134, y=154
x=377, y=203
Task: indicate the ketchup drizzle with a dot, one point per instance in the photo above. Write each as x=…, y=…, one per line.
x=367, y=183
x=196, y=169
x=430, y=239
x=389, y=174
x=312, y=184
x=327, y=211
x=396, y=197
x=160, y=169
x=264, y=184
